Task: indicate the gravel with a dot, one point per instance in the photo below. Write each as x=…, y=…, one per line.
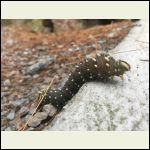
x=49, y=109
x=40, y=65
x=23, y=111
x=37, y=118
x=11, y=116
x=20, y=102
x=7, y=82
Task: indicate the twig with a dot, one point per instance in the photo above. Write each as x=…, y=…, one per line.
x=142, y=41
x=144, y=59
x=22, y=129
x=127, y=51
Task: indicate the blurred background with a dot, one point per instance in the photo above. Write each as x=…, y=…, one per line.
x=58, y=25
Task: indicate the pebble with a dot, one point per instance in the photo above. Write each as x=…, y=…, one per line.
x=40, y=65
x=3, y=94
x=32, y=109
x=8, y=129
x=30, y=129
x=7, y=82
x=35, y=76
x=47, y=80
x=49, y=109
x=10, y=42
x=37, y=118
x=23, y=111
x=41, y=47
x=3, y=113
x=20, y=102
x=4, y=122
x=56, y=66
x=3, y=128
x=11, y=116
x=34, y=89
x=14, y=73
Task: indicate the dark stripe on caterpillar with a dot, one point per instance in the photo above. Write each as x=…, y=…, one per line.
x=100, y=67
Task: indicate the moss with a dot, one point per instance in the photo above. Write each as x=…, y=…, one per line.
x=36, y=25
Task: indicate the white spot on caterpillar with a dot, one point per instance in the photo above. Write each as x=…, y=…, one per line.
x=69, y=74
x=99, y=74
x=77, y=66
x=72, y=80
x=66, y=89
x=49, y=96
x=61, y=95
x=79, y=72
x=55, y=91
x=88, y=69
x=95, y=66
x=98, y=54
x=86, y=60
x=55, y=97
x=78, y=85
x=107, y=65
x=106, y=58
x=93, y=59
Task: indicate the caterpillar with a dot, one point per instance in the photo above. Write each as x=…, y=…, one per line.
x=100, y=67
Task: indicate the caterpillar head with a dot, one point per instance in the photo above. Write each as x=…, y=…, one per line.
x=121, y=67
x=112, y=67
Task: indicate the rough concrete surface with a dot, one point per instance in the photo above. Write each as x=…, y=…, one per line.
x=116, y=104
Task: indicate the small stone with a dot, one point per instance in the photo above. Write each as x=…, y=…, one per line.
x=49, y=109
x=11, y=116
x=23, y=111
x=30, y=129
x=40, y=65
x=34, y=89
x=7, y=82
x=4, y=122
x=32, y=109
x=3, y=113
x=13, y=73
x=41, y=115
x=35, y=76
x=20, y=102
x=10, y=42
x=56, y=66
x=3, y=128
x=4, y=99
x=47, y=80
x=3, y=94
x=25, y=53
x=8, y=129
x=37, y=118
